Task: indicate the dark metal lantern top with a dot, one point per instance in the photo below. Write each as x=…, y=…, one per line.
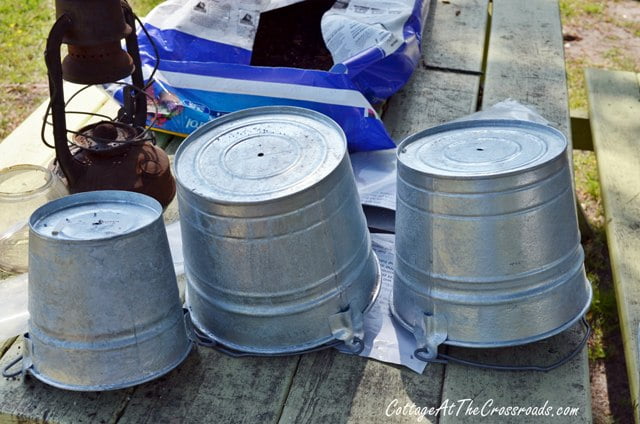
x=94, y=21
x=94, y=35
x=96, y=64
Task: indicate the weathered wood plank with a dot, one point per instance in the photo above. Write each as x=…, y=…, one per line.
x=614, y=108
x=525, y=60
x=456, y=34
x=28, y=400
x=213, y=388
x=430, y=98
x=330, y=387
x=24, y=144
x=525, y=63
x=5, y=345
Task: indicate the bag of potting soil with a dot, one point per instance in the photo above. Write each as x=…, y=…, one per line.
x=339, y=57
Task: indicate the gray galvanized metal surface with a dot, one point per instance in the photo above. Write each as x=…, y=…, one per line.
x=103, y=299
x=277, y=252
x=488, y=249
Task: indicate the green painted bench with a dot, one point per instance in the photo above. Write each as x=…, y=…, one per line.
x=477, y=53
x=614, y=116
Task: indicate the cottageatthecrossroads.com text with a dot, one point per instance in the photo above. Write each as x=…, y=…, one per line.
x=472, y=408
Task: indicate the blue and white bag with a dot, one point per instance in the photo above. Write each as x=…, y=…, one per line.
x=204, y=71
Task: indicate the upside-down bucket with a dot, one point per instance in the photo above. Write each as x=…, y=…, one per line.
x=103, y=298
x=488, y=247
x=277, y=253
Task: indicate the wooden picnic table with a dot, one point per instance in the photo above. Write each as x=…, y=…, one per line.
x=476, y=53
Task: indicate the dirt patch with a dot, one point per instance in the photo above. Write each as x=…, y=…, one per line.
x=612, y=25
x=599, y=34
x=291, y=37
x=603, y=43
x=18, y=101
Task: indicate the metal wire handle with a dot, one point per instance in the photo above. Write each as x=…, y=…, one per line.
x=144, y=135
x=5, y=370
x=443, y=358
x=201, y=339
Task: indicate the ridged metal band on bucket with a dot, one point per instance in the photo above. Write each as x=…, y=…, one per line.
x=104, y=306
x=488, y=250
x=277, y=253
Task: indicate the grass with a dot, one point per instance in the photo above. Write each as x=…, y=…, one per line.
x=603, y=315
x=619, y=59
x=572, y=8
x=576, y=83
x=23, y=29
x=593, y=8
x=24, y=26
x=587, y=14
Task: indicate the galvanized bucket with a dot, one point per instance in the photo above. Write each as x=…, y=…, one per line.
x=488, y=250
x=103, y=297
x=277, y=253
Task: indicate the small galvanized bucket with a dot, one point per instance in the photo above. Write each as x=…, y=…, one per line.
x=488, y=250
x=103, y=298
x=277, y=253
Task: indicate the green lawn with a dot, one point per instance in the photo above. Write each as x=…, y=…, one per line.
x=24, y=25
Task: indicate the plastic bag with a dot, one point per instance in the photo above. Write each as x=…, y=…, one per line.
x=205, y=49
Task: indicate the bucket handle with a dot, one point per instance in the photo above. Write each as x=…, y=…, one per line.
x=25, y=358
x=203, y=340
x=5, y=370
x=423, y=354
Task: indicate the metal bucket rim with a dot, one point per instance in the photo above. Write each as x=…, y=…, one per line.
x=517, y=342
x=476, y=124
x=257, y=111
x=115, y=386
x=116, y=196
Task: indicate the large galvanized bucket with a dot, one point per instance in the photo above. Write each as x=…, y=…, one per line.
x=277, y=253
x=103, y=297
x=488, y=247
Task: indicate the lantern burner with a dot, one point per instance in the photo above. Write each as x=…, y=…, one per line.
x=106, y=135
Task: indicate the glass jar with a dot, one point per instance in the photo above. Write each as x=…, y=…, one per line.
x=23, y=189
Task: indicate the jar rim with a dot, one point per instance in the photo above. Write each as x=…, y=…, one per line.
x=48, y=181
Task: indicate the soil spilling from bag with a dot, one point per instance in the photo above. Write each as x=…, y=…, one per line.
x=291, y=37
